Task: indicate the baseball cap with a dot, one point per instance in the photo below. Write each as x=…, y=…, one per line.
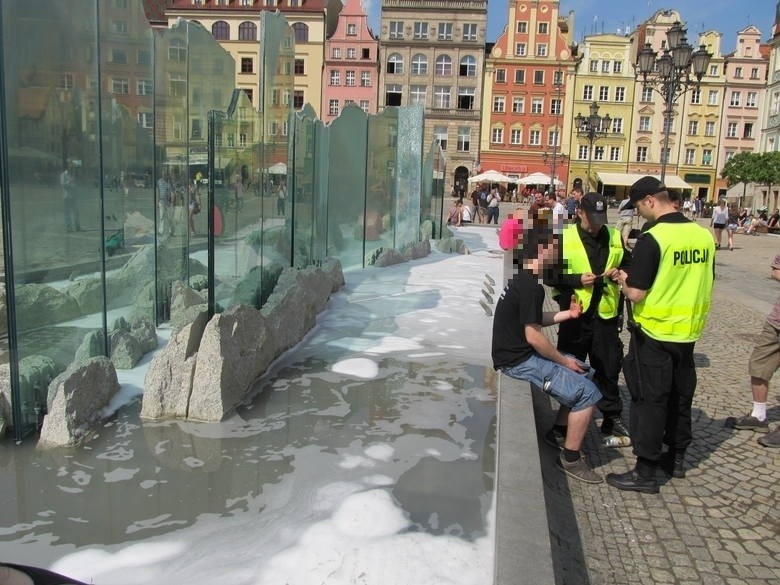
x=645, y=186
x=595, y=205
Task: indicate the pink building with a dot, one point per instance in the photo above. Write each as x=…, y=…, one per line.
x=351, y=71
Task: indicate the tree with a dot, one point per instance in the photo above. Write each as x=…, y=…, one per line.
x=743, y=167
x=768, y=172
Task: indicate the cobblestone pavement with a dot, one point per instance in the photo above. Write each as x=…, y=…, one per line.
x=719, y=525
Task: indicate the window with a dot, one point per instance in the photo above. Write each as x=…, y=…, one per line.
x=417, y=94
x=440, y=135
x=144, y=87
x=706, y=157
x=644, y=123
x=466, y=98
x=522, y=27
x=299, y=68
x=468, y=66
x=464, y=139
x=730, y=154
x=301, y=32
x=605, y=66
x=614, y=153
x=582, y=152
x=693, y=127
x=598, y=153
x=617, y=125
x=713, y=70
x=497, y=136
x=144, y=57
x=516, y=136
x=738, y=72
x=441, y=97
x=518, y=105
x=364, y=105
x=444, y=65
x=247, y=31
x=552, y=138
x=641, y=154
x=196, y=130
x=535, y=138
x=594, y=66
x=775, y=103
x=396, y=30
x=119, y=26
x=247, y=65
x=712, y=98
x=335, y=77
x=604, y=93
x=647, y=94
x=587, y=92
x=393, y=94
x=352, y=53
x=336, y=53
x=220, y=30
x=541, y=49
x=520, y=49
x=365, y=53
x=620, y=94
x=499, y=104
x=122, y=87
x=247, y=2
x=754, y=73
x=543, y=28
x=298, y=99
x=690, y=156
x=333, y=107
x=709, y=129
x=349, y=78
x=617, y=66
x=470, y=31
x=538, y=77
x=445, y=31
x=395, y=64
x=750, y=100
x=696, y=96
x=537, y=105
x=420, y=30
x=558, y=78
x=555, y=106
x=500, y=75
x=419, y=65
x=748, y=130
x=365, y=79
x=66, y=81
x=352, y=30
x=736, y=97
x=118, y=56
x=520, y=76
x=668, y=125
x=145, y=119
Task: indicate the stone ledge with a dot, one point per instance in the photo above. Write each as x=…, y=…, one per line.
x=523, y=552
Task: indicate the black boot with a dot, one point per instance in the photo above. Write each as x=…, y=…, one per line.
x=640, y=479
x=672, y=463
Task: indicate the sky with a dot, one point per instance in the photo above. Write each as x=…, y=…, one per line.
x=597, y=16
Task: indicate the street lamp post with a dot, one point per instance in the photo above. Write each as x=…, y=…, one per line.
x=591, y=128
x=558, y=83
x=671, y=74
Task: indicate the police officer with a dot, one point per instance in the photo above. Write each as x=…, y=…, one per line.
x=592, y=254
x=670, y=285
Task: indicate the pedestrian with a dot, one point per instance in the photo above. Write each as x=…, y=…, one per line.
x=281, y=196
x=591, y=255
x=521, y=350
x=69, y=203
x=625, y=221
x=764, y=362
x=720, y=217
x=493, y=207
x=669, y=284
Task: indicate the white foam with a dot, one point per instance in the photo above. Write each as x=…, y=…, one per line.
x=358, y=367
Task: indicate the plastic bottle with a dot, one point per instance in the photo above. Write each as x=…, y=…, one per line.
x=613, y=441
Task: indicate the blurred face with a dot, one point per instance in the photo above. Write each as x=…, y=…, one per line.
x=646, y=207
x=588, y=223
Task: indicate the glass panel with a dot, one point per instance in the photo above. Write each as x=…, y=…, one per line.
x=347, y=188
x=408, y=178
x=432, y=198
x=53, y=174
x=381, y=170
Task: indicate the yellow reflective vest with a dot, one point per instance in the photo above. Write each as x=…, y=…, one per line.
x=675, y=307
x=577, y=262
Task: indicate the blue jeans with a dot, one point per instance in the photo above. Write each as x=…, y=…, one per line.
x=573, y=390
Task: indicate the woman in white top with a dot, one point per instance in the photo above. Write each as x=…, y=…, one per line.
x=720, y=217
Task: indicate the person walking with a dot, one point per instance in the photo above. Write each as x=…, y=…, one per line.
x=592, y=252
x=493, y=206
x=669, y=284
x=69, y=203
x=521, y=350
x=764, y=362
x=719, y=221
x=625, y=220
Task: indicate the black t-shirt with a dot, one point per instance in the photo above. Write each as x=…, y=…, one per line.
x=646, y=255
x=520, y=304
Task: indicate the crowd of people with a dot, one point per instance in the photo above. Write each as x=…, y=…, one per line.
x=660, y=288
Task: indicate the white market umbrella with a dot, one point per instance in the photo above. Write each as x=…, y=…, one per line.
x=277, y=169
x=490, y=177
x=539, y=179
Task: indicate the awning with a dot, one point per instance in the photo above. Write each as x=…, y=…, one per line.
x=628, y=179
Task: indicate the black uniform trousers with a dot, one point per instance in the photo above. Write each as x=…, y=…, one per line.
x=661, y=378
x=597, y=340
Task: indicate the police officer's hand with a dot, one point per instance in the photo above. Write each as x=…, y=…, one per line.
x=575, y=309
x=572, y=364
x=587, y=279
x=612, y=274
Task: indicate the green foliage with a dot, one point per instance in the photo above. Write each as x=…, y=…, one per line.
x=753, y=167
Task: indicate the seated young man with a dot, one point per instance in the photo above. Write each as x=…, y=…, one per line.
x=521, y=350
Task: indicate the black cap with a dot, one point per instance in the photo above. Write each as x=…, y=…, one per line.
x=595, y=205
x=645, y=186
x=577, y=182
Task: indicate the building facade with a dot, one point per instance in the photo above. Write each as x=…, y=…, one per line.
x=528, y=90
x=432, y=53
